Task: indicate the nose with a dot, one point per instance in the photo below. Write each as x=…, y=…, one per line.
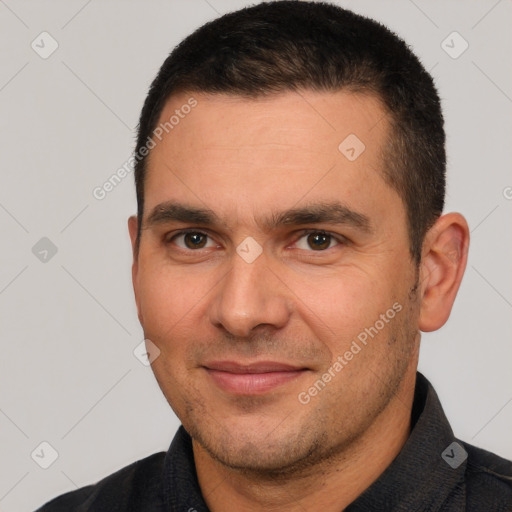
x=250, y=295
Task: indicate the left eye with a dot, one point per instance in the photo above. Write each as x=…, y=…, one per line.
x=316, y=240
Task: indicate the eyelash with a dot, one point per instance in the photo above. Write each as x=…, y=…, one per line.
x=339, y=238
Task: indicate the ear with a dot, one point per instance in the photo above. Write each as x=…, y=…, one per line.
x=132, y=229
x=444, y=258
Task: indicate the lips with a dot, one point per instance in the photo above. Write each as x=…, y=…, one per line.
x=253, y=378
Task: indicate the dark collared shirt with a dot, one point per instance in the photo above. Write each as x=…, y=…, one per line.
x=433, y=472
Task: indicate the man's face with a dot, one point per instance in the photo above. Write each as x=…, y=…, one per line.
x=287, y=355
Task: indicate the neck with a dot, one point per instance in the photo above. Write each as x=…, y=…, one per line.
x=328, y=486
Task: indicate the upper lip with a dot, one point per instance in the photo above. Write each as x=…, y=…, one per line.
x=255, y=367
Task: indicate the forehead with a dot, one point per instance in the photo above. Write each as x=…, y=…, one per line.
x=320, y=118
x=228, y=151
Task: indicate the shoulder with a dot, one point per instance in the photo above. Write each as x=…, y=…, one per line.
x=488, y=479
x=131, y=488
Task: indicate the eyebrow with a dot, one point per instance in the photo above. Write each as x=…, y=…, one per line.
x=317, y=213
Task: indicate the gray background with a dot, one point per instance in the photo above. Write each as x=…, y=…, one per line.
x=69, y=326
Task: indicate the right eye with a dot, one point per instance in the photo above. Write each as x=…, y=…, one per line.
x=190, y=240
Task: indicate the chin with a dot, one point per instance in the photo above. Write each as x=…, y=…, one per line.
x=270, y=451
x=262, y=459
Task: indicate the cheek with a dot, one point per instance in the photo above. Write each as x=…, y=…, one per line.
x=169, y=302
x=168, y=299
x=341, y=304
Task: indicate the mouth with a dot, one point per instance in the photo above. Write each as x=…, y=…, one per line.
x=254, y=378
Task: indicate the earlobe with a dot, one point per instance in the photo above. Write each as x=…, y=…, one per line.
x=443, y=263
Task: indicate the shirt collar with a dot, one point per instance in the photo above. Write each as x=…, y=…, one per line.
x=419, y=478
x=181, y=487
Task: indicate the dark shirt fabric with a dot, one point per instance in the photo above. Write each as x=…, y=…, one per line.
x=420, y=478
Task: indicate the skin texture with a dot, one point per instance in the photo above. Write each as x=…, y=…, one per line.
x=295, y=304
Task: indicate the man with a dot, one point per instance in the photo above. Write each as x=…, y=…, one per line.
x=288, y=249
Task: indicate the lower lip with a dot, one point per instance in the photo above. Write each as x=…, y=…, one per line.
x=252, y=383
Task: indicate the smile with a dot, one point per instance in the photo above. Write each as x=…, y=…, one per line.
x=252, y=379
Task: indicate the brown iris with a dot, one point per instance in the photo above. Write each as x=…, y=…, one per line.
x=319, y=240
x=194, y=240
